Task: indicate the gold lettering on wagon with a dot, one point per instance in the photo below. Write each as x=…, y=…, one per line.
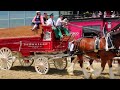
x=36, y=45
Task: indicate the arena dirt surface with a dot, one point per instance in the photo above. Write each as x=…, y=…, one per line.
x=20, y=31
x=19, y=72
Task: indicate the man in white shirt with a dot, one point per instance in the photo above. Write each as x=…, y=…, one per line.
x=51, y=22
x=71, y=47
x=59, y=26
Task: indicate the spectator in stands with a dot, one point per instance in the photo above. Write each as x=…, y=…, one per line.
x=93, y=15
x=37, y=20
x=113, y=14
x=105, y=14
x=99, y=14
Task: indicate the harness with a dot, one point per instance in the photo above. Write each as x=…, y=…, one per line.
x=76, y=47
x=97, y=44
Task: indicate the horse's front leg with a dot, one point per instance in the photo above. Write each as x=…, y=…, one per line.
x=90, y=66
x=118, y=69
x=110, y=69
x=86, y=74
x=97, y=73
x=70, y=69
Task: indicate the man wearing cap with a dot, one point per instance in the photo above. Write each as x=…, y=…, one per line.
x=37, y=20
x=59, y=25
x=51, y=22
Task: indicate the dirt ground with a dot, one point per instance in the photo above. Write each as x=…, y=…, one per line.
x=20, y=72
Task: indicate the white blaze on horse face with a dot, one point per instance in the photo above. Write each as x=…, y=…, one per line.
x=111, y=73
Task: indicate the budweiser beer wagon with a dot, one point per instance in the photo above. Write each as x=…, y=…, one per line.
x=28, y=49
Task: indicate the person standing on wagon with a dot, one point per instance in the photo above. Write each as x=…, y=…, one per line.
x=59, y=25
x=37, y=20
x=51, y=22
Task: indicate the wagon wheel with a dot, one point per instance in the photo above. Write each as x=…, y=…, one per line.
x=26, y=62
x=6, y=58
x=42, y=65
x=60, y=64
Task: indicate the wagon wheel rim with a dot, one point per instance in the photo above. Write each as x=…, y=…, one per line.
x=60, y=64
x=5, y=58
x=42, y=65
x=26, y=62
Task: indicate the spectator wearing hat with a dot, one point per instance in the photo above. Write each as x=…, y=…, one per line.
x=37, y=20
x=60, y=26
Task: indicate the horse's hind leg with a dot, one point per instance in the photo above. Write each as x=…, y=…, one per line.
x=97, y=73
x=86, y=74
x=110, y=69
x=118, y=67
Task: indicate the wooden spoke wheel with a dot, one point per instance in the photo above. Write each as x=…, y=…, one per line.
x=6, y=58
x=26, y=61
x=41, y=65
x=60, y=64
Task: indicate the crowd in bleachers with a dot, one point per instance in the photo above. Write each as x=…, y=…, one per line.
x=94, y=14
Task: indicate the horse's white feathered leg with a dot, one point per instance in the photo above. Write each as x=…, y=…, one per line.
x=71, y=69
x=111, y=73
x=118, y=69
x=97, y=73
x=86, y=74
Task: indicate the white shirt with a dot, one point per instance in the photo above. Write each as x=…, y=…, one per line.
x=59, y=22
x=50, y=22
x=71, y=46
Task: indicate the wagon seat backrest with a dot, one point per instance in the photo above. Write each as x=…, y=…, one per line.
x=48, y=32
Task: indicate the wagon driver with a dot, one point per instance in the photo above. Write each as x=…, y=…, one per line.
x=60, y=26
x=51, y=22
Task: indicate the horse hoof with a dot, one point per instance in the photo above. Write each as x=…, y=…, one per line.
x=93, y=76
x=87, y=76
x=71, y=74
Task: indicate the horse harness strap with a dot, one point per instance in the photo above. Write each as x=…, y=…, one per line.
x=97, y=44
x=109, y=44
x=76, y=47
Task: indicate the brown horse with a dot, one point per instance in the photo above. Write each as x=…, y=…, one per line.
x=86, y=47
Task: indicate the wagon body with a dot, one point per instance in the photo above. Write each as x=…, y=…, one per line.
x=29, y=44
x=42, y=50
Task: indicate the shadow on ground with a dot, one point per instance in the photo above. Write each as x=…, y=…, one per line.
x=21, y=68
x=54, y=71
x=51, y=71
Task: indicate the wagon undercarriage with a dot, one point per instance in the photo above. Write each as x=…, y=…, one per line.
x=41, y=61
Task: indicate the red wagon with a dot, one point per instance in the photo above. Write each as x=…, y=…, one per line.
x=29, y=49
